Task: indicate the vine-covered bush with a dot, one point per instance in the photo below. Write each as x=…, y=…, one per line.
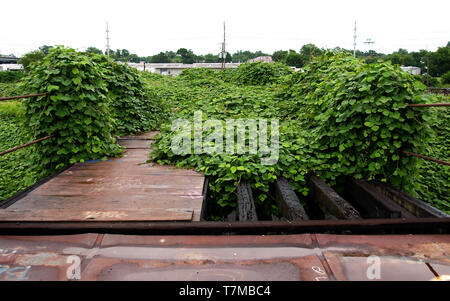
x=76, y=110
x=226, y=171
x=201, y=77
x=260, y=73
x=356, y=118
x=338, y=117
x=433, y=183
x=133, y=109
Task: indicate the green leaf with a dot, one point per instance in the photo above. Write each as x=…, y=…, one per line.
x=51, y=88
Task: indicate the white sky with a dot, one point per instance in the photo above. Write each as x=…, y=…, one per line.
x=148, y=27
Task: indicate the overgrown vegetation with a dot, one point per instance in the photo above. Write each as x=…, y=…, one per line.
x=90, y=99
x=433, y=181
x=341, y=117
x=133, y=109
x=76, y=110
x=16, y=171
x=355, y=119
x=11, y=76
x=8, y=89
x=260, y=73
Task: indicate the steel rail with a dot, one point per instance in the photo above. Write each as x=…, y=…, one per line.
x=25, y=145
x=368, y=226
x=444, y=104
x=425, y=157
x=21, y=96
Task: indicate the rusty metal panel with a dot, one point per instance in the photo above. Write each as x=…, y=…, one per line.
x=39, y=257
x=356, y=268
x=253, y=257
x=204, y=258
x=400, y=257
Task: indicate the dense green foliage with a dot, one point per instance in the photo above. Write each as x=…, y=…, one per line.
x=355, y=118
x=446, y=78
x=132, y=109
x=205, y=90
x=260, y=73
x=75, y=110
x=35, y=56
x=9, y=89
x=433, y=182
x=11, y=76
x=90, y=99
x=16, y=172
x=340, y=117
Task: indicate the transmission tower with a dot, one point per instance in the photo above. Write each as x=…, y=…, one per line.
x=224, y=53
x=354, y=42
x=107, y=39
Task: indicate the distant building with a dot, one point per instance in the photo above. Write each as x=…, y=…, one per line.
x=265, y=59
x=411, y=70
x=176, y=68
x=8, y=59
x=9, y=63
x=13, y=67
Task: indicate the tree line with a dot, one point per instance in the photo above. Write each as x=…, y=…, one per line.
x=436, y=62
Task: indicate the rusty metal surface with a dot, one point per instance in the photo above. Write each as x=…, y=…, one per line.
x=310, y=257
x=127, y=183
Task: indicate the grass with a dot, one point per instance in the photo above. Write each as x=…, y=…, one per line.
x=16, y=171
x=9, y=89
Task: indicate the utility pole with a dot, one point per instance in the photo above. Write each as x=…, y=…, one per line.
x=224, y=53
x=107, y=39
x=354, y=42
